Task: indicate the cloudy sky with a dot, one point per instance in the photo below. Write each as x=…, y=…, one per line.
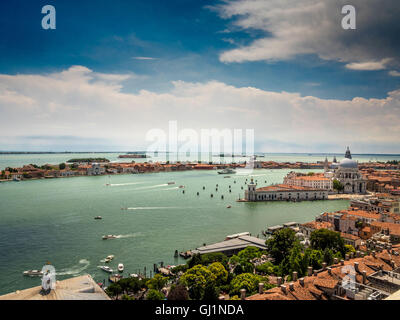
x=113, y=70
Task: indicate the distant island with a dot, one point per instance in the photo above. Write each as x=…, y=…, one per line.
x=134, y=155
x=88, y=160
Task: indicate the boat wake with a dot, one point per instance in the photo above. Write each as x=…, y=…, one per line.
x=123, y=184
x=75, y=270
x=174, y=188
x=130, y=235
x=151, y=187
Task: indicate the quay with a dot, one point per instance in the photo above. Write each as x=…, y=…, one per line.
x=77, y=288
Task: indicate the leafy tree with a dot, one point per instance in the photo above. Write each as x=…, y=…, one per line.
x=178, y=292
x=113, y=290
x=328, y=256
x=180, y=268
x=337, y=185
x=220, y=273
x=157, y=282
x=280, y=244
x=127, y=297
x=209, y=258
x=313, y=258
x=349, y=248
x=195, y=260
x=153, y=294
x=248, y=281
x=61, y=166
x=324, y=238
x=266, y=268
x=196, y=279
x=210, y=293
x=249, y=253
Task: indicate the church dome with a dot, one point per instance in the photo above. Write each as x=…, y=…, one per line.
x=348, y=163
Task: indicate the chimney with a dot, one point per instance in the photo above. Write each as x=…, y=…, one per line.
x=330, y=270
x=324, y=264
x=261, y=288
x=346, y=257
x=278, y=281
x=342, y=262
x=374, y=253
x=356, y=267
x=291, y=286
x=364, y=275
x=309, y=271
x=283, y=288
x=351, y=255
x=242, y=294
x=358, y=254
x=301, y=280
x=335, y=260
x=294, y=276
x=315, y=273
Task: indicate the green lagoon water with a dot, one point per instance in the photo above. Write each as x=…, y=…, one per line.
x=53, y=220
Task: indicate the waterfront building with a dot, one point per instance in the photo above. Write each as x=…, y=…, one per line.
x=95, y=169
x=232, y=246
x=314, y=181
x=281, y=192
x=348, y=174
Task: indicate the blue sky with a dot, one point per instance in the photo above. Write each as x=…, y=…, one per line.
x=159, y=43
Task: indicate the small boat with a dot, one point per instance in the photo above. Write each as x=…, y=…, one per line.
x=33, y=273
x=227, y=171
x=171, y=182
x=115, y=278
x=106, y=269
x=108, y=184
x=108, y=259
x=110, y=236
x=229, y=206
x=181, y=186
x=98, y=217
x=227, y=176
x=121, y=267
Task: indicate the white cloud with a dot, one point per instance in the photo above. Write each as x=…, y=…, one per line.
x=368, y=65
x=78, y=102
x=394, y=73
x=298, y=27
x=144, y=58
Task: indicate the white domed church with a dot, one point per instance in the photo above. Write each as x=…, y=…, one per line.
x=346, y=171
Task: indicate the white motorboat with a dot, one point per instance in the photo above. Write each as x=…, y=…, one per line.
x=106, y=269
x=33, y=273
x=108, y=259
x=121, y=267
x=110, y=236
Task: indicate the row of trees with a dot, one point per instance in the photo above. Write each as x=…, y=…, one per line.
x=205, y=277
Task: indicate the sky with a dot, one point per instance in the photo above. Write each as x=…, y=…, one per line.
x=113, y=71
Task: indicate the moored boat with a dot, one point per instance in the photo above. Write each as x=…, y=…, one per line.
x=121, y=267
x=33, y=273
x=171, y=182
x=98, y=217
x=106, y=269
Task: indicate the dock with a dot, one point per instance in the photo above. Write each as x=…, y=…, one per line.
x=232, y=246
